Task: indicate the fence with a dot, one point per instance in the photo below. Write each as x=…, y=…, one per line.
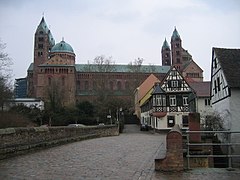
x=228, y=143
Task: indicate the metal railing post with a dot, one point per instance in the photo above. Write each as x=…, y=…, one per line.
x=188, y=160
x=229, y=150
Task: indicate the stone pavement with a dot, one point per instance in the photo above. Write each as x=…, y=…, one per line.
x=128, y=156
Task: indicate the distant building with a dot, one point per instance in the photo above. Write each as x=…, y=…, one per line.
x=28, y=102
x=54, y=70
x=20, y=89
x=180, y=58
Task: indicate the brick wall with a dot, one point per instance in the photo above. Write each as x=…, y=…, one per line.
x=14, y=141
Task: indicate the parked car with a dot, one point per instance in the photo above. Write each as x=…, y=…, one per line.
x=101, y=124
x=143, y=127
x=76, y=125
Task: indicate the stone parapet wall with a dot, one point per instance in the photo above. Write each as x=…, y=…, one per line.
x=14, y=141
x=173, y=160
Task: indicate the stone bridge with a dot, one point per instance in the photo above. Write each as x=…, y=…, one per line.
x=127, y=156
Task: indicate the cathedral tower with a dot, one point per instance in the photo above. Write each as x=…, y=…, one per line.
x=166, y=54
x=176, y=47
x=43, y=42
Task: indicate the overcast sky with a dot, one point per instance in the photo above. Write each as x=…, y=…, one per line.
x=123, y=29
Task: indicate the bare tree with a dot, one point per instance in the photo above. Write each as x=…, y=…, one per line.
x=55, y=95
x=5, y=74
x=5, y=62
x=137, y=70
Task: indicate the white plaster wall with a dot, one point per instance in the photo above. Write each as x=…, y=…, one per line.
x=235, y=123
x=162, y=122
x=235, y=109
x=223, y=109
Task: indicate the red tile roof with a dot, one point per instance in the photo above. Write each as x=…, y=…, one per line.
x=146, y=86
x=201, y=88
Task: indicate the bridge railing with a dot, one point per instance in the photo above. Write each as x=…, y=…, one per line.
x=232, y=146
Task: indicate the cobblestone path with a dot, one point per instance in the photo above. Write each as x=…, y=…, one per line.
x=128, y=156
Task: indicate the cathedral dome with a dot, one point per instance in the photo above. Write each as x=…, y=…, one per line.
x=62, y=47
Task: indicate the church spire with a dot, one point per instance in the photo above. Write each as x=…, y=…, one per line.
x=165, y=45
x=175, y=34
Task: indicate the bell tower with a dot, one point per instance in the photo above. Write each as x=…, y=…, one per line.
x=166, y=54
x=176, y=47
x=43, y=42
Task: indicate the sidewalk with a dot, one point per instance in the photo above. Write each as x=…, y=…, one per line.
x=199, y=173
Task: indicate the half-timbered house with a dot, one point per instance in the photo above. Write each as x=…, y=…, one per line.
x=168, y=104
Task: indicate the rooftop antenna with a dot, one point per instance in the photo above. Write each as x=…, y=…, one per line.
x=43, y=14
x=62, y=38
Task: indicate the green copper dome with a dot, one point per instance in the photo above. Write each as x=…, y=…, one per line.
x=62, y=47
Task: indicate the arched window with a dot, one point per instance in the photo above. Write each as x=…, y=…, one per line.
x=119, y=85
x=63, y=81
x=49, y=81
x=127, y=85
x=78, y=85
x=111, y=85
x=86, y=85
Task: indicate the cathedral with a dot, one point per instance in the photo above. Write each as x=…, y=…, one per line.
x=54, y=72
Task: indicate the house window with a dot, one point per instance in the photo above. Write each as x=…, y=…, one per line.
x=154, y=100
x=207, y=102
x=172, y=99
x=215, y=86
x=215, y=62
x=159, y=100
x=218, y=83
x=166, y=55
x=174, y=84
x=164, y=100
x=178, y=60
x=185, y=100
x=185, y=121
x=178, y=53
x=170, y=121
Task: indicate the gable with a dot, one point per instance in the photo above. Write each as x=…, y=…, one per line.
x=174, y=82
x=192, y=67
x=229, y=61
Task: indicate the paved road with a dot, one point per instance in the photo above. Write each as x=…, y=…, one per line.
x=129, y=156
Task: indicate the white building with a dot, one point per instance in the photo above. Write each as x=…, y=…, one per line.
x=225, y=89
x=29, y=102
x=203, y=102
